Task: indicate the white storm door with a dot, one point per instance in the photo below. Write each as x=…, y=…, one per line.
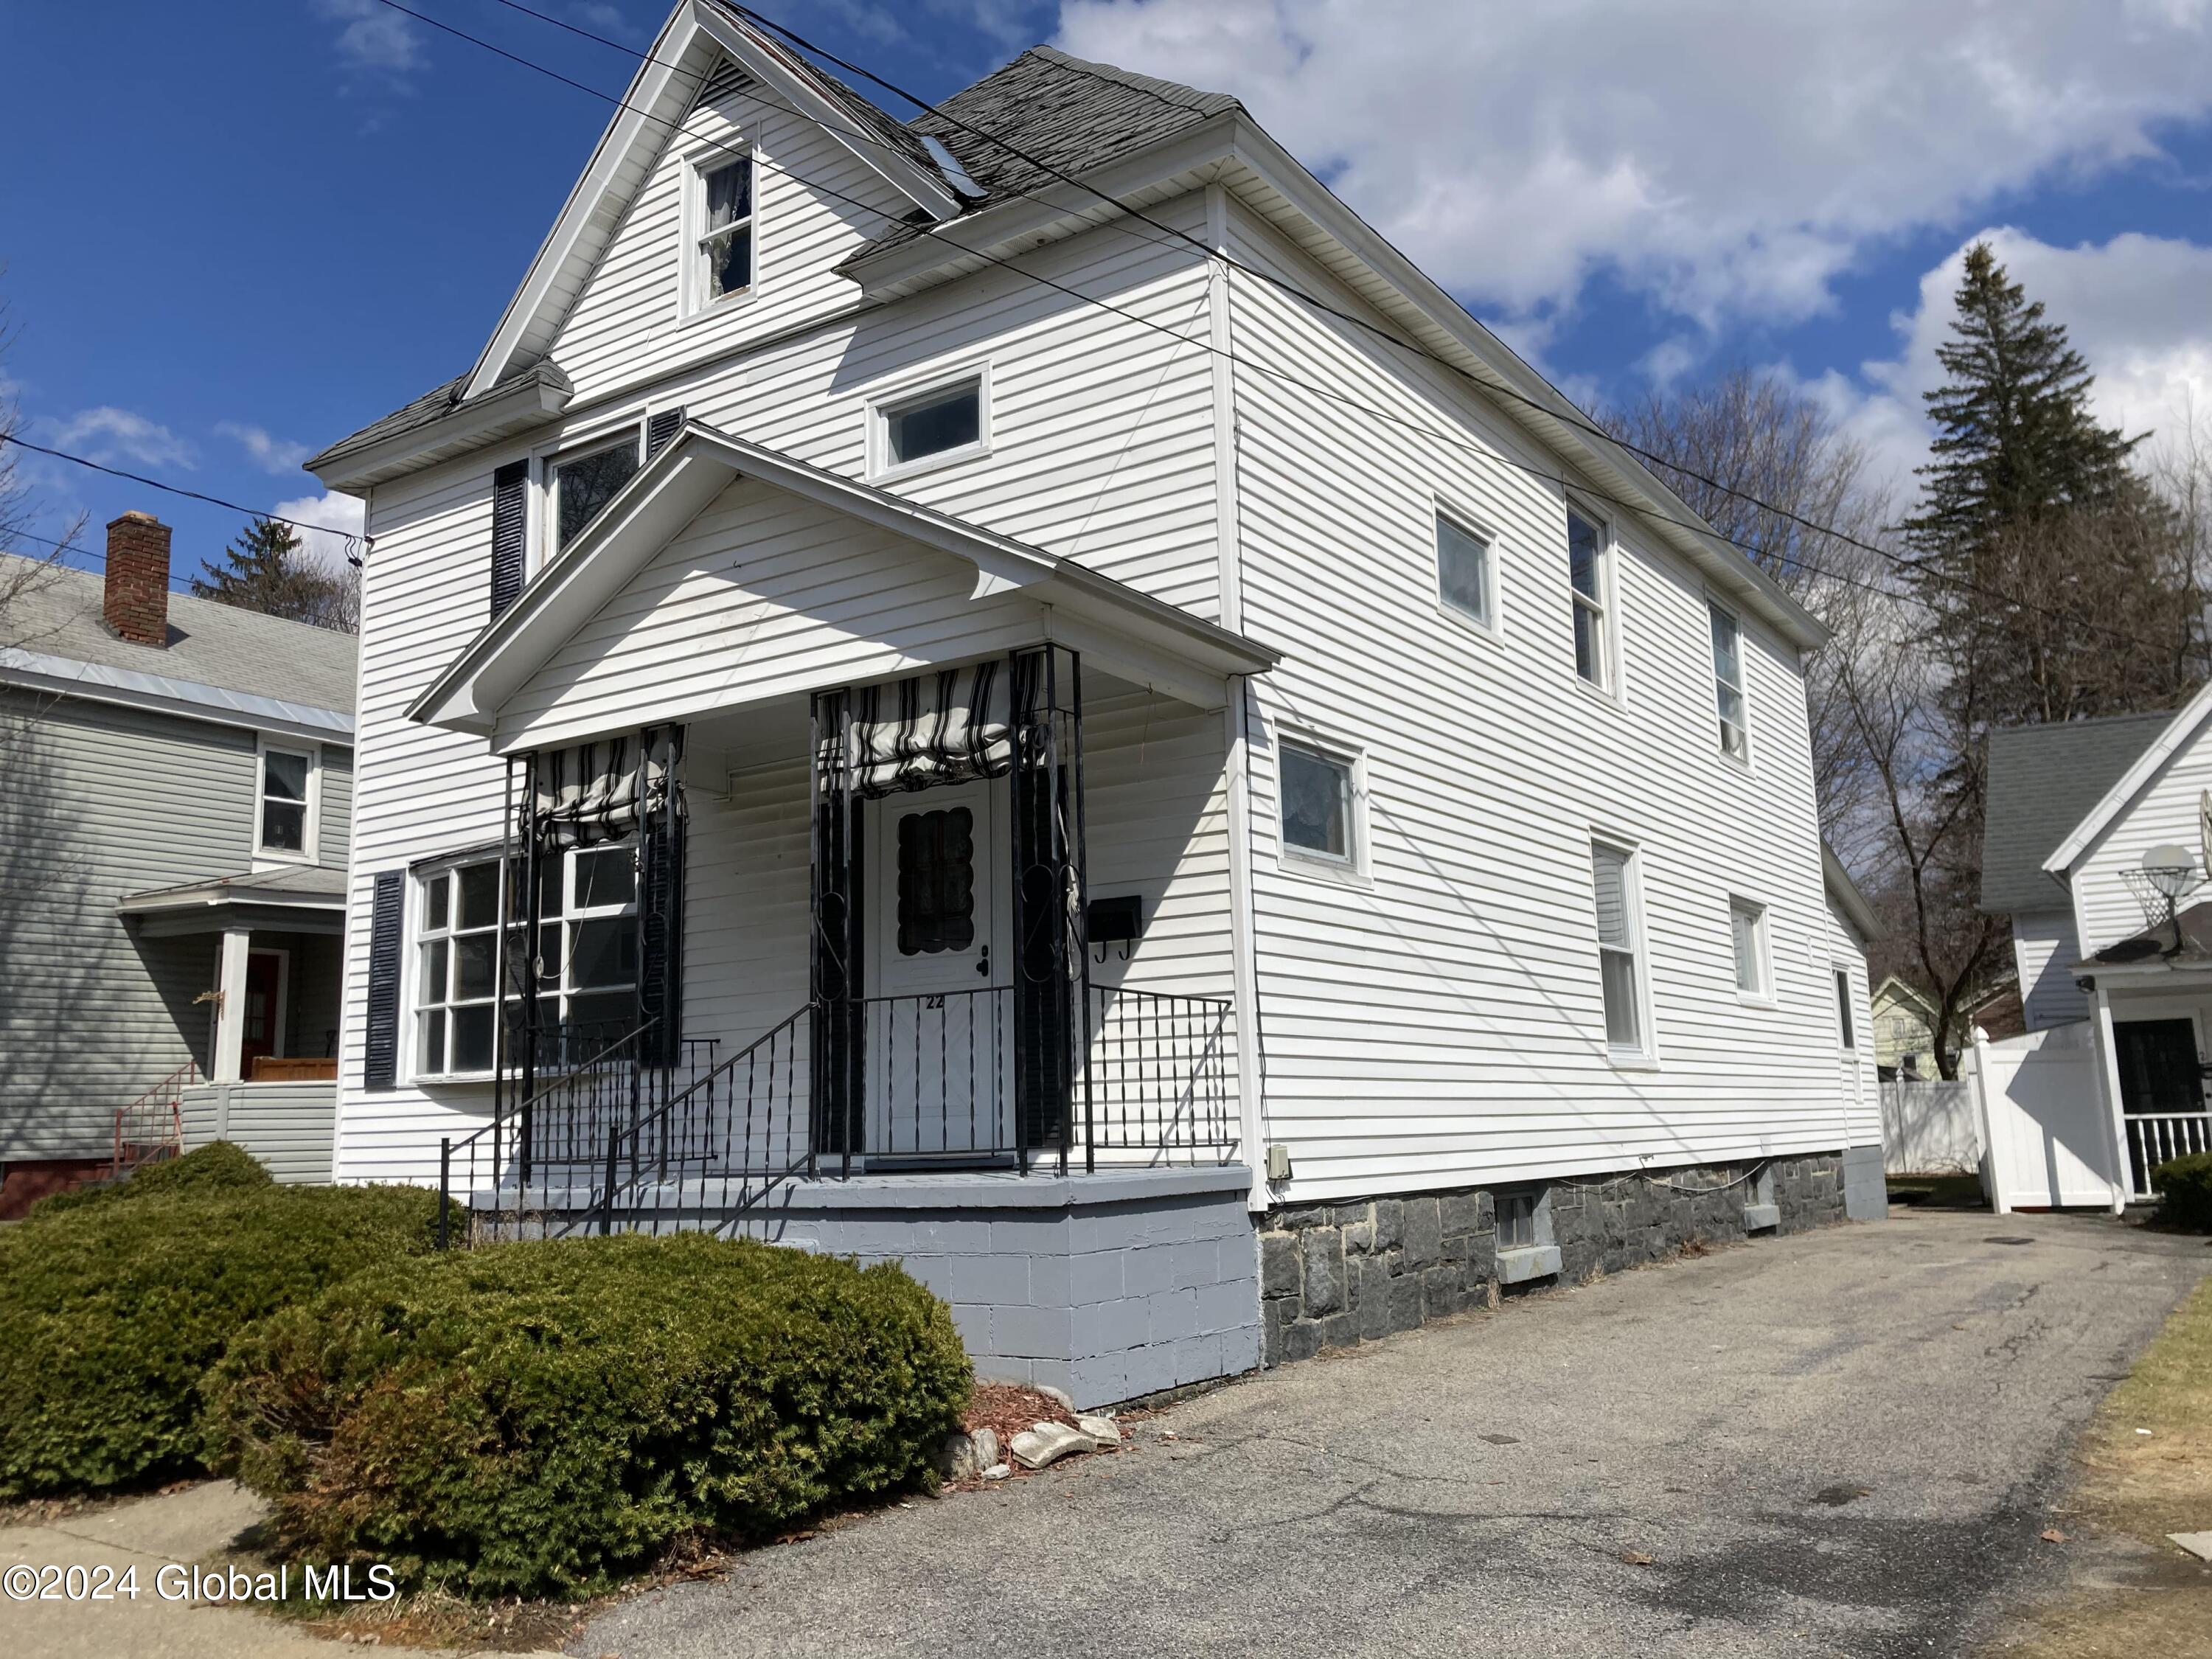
x=940, y=1031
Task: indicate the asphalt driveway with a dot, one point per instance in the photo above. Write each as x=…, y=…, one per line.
x=1843, y=1442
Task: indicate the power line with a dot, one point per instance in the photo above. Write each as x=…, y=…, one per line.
x=1455, y=440
x=351, y=541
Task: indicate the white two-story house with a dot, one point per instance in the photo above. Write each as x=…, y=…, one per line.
x=1020, y=691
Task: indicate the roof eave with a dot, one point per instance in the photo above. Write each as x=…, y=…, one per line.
x=532, y=401
x=2170, y=742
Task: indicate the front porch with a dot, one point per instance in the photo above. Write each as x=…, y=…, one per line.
x=2152, y=1002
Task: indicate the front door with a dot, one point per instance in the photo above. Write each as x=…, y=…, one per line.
x=265, y=997
x=2159, y=1073
x=940, y=1021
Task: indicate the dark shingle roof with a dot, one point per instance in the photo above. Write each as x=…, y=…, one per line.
x=58, y=615
x=2044, y=779
x=1062, y=113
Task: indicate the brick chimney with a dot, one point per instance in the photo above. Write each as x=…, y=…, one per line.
x=137, y=606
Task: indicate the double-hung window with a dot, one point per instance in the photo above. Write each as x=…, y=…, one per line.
x=585, y=479
x=1728, y=681
x=1621, y=950
x=1748, y=931
x=1586, y=574
x=456, y=970
x=284, y=803
x=1463, y=571
x=1845, y=1029
x=723, y=245
x=1320, y=822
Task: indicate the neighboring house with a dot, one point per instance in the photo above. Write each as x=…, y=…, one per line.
x=173, y=853
x=1904, y=1026
x=1180, y=749
x=1852, y=928
x=2097, y=848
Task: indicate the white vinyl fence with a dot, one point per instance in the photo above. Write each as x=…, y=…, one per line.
x=1931, y=1128
x=2051, y=1141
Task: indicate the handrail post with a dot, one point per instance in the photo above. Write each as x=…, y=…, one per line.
x=445, y=1181
x=607, y=1203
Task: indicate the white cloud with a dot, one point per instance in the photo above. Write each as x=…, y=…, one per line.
x=373, y=37
x=270, y=455
x=2133, y=307
x=334, y=518
x=1726, y=157
x=116, y=435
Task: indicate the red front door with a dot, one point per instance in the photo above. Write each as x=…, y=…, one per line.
x=265, y=976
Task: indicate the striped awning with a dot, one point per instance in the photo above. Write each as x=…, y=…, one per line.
x=948, y=727
x=589, y=794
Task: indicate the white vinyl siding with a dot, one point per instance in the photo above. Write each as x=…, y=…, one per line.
x=2045, y=954
x=1444, y=1026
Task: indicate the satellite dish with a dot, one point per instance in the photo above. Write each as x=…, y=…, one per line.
x=2172, y=869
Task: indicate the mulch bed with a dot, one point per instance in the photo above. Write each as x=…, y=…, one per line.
x=1010, y=1408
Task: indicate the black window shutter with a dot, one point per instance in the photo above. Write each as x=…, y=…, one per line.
x=510, y=521
x=661, y=958
x=660, y=429
x=380, y=1064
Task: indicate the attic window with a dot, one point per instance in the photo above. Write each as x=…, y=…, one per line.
x=725, y=230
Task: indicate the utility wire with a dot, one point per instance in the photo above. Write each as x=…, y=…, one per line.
x=351, y=541
x=1695, y=527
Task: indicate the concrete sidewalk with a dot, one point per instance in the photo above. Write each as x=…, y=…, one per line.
x=184, y=1526
x=1845, y=1442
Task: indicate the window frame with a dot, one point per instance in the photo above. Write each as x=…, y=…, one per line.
x=1489, y=624
x=1352, y=868
x=1741, y=754
x=895, y=399
x=1847, y=1019
x=1761, y=989
x=1645, y=1055
x=310, y=804
x=571, y=914
x=545, y=531
x=1605, y=603
x=694, y=301
x=419, y=935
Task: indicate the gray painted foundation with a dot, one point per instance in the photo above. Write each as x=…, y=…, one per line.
x=1346, y=1272
x=1110, y=1286
x=1866, y=1189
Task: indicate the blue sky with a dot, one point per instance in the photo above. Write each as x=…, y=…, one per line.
x=236, y=232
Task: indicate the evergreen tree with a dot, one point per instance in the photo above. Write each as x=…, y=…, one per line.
x=267, y=570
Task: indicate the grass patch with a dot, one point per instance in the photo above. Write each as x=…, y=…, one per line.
x=2142, y=1487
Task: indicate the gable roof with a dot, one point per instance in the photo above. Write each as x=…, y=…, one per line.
x=1064, y=113
x=2180, y=730
x=1114, y=130
x=2043, y=779
x=695, y=467
x=224, y=663
x=1845, y=895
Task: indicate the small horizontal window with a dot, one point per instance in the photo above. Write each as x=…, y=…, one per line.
x=934, y=424
x=1317, y=805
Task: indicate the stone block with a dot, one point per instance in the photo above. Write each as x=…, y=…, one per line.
x=1300, y=1339
x=1424, y=1232
x=1371, y=1298
x=1444, y=1292
x=1458, y=1214
x=1339, y=1330
x=1322, y=1252
x=1358, y=1237
x=1389, y=1222
x=1406, y=1302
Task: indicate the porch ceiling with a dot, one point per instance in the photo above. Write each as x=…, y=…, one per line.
x=1144, y=639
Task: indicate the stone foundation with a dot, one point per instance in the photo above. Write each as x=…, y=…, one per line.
x=1338, y=1273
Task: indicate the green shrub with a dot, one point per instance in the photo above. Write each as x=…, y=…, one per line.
x=539, y=1418
x=110, y=1312
x=2184, y=1186
x=219, y=1165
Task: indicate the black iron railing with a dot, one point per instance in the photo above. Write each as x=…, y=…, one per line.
x=1160, y=1079
x=612, y=1142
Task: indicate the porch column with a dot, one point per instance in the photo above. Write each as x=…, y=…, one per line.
x=2108, y=1085
x=230, y=1004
